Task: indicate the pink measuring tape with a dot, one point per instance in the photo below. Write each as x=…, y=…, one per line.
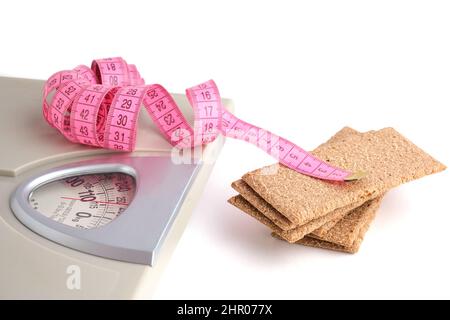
x=99, y=106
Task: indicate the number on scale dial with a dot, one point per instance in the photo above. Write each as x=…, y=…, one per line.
x=85, y=201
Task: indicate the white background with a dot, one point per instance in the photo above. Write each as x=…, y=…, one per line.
x=302, y=70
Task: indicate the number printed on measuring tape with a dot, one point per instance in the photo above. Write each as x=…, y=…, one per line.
x=99, y=106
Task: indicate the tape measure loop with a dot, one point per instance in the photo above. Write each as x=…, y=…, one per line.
x=99, y=106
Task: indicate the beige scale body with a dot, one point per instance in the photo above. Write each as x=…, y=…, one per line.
x=31, y=265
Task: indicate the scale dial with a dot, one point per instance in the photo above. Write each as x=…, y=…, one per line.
x=85, y=201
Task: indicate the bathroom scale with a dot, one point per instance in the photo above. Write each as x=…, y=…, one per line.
x=79, y=222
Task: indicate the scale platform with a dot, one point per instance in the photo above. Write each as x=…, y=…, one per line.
x=78, y=222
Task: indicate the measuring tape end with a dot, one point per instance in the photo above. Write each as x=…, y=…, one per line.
x=358, y=175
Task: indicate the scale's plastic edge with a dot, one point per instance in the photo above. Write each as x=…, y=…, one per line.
x=66, y=235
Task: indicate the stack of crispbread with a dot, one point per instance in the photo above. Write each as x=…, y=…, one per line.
x=333, y=215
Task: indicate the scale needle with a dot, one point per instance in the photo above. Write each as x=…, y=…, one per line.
x=106, y=202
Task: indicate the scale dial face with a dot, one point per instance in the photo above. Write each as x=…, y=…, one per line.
x=85, y=201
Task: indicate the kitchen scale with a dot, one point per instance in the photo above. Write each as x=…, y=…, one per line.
x=78, y=222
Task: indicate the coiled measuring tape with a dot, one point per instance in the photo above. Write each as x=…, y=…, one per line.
x=99, y=106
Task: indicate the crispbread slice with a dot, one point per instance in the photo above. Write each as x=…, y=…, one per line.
x=366, y=219
x=262, y=206
x=351, y=234
x=280, y=220
x=316, y=243
x=387, y=157
x=347, y=230
x=297, y=233
x=322, y=230
x=240, y=202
